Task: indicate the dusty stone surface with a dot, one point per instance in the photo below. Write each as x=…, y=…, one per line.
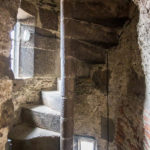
x=45, y=39
x=29, y=92
x=90, y=32
x=87, y=52
x=3, y=137
x=46, y=13
x=47, y=67
x=49, y=19
x=89, y=107
x=7, y=20
x=143, y=39
x=127, y=88
x=126, y=92
x=98, y=11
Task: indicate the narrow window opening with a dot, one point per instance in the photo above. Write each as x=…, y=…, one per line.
x=15, y=50
x=86, y=143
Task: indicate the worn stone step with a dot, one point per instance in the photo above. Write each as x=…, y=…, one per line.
x=25, y=137
x=52, y=99
x=41, y=116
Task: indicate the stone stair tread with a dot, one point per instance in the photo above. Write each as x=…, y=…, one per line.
x=26, y=132
x=42, y=109
x=52, y=92
x=41, y=116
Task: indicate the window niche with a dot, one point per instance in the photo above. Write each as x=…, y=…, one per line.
x=35, y=50
x=22, y=51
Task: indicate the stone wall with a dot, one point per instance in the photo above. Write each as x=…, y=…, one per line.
x=7, y=20
x=127, y=88
x=132, y=112
x=90, y=107
x=144, y=42
x=109, y=102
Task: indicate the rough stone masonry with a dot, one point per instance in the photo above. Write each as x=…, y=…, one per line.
x=108, y=46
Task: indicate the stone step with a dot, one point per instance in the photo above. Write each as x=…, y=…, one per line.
x=24, y=137
x=41, y=116
x=52, y=99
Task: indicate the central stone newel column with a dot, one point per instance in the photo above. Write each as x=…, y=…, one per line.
x=67, y=83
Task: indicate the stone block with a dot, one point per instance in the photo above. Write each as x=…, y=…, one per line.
x=18, y=84
x=36, y=144
x=3, y=138
x=85, y=51
x=46, y=40
x=68, y=7
x=49, y=4
x=10, y=8
x=42, y=117
x=5, y=90
x=93, y=33
x=29, y=7
x=76, y=68
x=46, y=63
x=5, y=67
x=6, y=113
x=49, y=19
x=107, y=129
x=134, y=80
x=107, y=14
x=100, y=78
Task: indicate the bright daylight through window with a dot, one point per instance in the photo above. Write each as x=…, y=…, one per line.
x=86, y=144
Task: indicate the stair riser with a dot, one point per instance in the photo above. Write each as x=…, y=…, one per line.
x=46, y=143
x=46, y=121
x=51, y=100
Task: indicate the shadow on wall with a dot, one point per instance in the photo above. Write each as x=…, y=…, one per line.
x=127, y=88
